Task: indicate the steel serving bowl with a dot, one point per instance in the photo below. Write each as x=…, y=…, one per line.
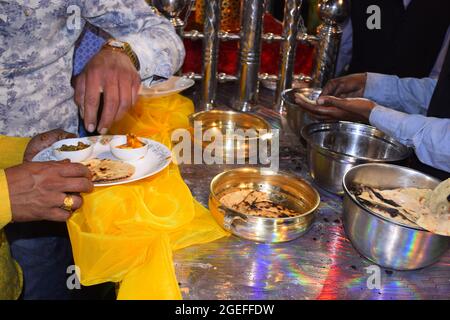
x=296, y=117
x=335, y=147
x=283, y=188
x=388, y=243
x=240, y=145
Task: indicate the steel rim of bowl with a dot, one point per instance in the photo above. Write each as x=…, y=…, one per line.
x=347, y=192
x=220, y=175
x=344, y=157
x=268, y=127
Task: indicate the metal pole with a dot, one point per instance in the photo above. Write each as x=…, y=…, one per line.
x=333, y=13
x=288, y=49
x=250, y=53
x=210, y=53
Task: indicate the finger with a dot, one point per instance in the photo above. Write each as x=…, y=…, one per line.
x=58, y=214
x=76, y=198
x=110, y=105
x=80, y=91
x=74, y=170
x=94, y=88
x=333, y=101
x=135, y=91
x=306, y=106
x=79, y=185
x=125, y=96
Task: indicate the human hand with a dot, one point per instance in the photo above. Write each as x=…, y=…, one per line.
x=112, y=73
x=44, y=140
x=332, y=108
x=37, y=189
x=351, y=86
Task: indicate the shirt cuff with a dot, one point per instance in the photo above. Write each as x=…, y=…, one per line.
x=5, y=207
x=378, y=87
x=394, y=123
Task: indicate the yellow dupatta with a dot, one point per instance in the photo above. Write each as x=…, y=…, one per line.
x=127, y=233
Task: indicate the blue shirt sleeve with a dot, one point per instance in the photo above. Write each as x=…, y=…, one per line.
x=430, y=137
x=408, y=95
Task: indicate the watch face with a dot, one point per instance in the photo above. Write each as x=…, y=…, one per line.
x=116, y=44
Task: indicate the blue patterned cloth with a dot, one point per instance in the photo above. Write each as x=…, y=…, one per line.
x=36, y=55
x=89, y=45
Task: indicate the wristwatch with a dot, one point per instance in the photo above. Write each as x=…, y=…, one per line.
x=125, y=48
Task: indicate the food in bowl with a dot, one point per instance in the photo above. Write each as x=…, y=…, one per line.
x=410, y=206
x=255, y=203
x=79, y=146
x=75, y=149
x=128, y=148
x=399, y=205
x=132, y=143
x=107, y=170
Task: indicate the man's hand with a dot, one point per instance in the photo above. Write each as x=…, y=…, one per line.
x=351, y=86
x=37, y=189
x=112, y=73
x=44, y=140
x=332, y=108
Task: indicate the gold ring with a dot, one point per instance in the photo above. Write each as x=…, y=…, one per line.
x=68, y=203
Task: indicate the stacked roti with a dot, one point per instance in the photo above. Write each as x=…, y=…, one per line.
x=107, y=170
x=255, y=203
x=426, y=208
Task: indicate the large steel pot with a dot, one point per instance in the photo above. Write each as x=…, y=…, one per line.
x=335, y=147
x=383, y=241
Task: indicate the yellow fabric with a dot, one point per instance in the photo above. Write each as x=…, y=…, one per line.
x=11, y=153
x=127, y=233
x=5, y=208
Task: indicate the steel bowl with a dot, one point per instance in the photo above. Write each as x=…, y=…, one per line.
x=296, y=117
x=284, y=188
x=335, y=147
x=219, y=122
x=388, y=243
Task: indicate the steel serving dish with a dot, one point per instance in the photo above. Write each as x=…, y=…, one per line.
x=385, y=242
x=296, y=117
x=283, y=188
x=219, y=122
x=335, y=147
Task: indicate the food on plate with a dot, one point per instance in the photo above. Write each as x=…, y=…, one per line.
x=77, y=147
x=107, y=170
x=132, y=143
x=414, y=207
x=255, y=203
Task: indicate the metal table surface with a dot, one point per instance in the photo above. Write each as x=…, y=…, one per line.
x=322, y=264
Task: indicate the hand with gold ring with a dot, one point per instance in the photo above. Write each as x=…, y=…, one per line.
x=46, y=190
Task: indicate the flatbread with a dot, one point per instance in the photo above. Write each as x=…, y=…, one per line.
x=106, y=170
x=426, y=208
x=255, y=203
x=305, y=98
x=438, y=218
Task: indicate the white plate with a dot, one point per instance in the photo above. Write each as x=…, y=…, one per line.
x=162, y=89
x=157, y=158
